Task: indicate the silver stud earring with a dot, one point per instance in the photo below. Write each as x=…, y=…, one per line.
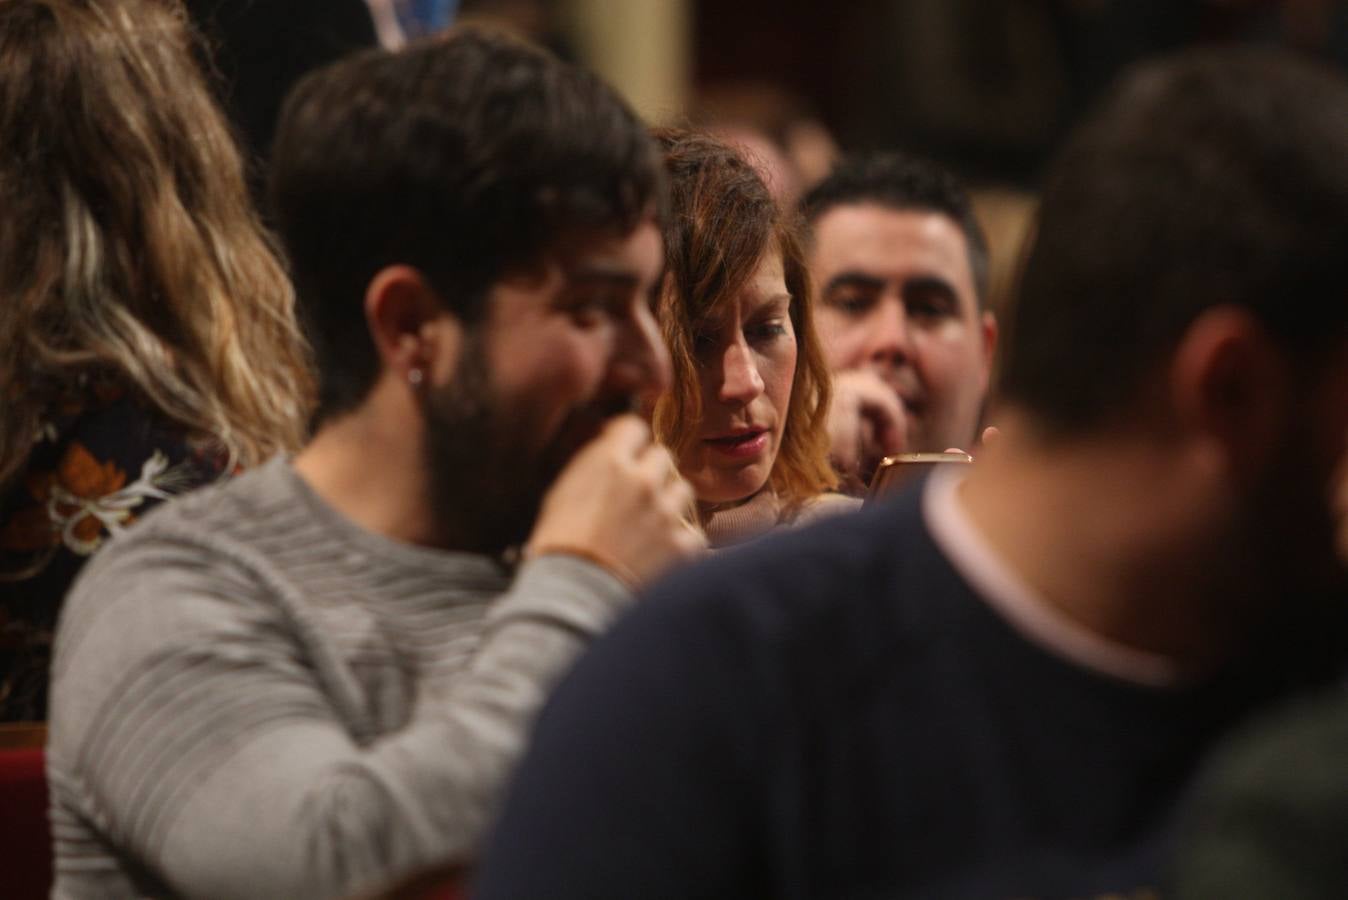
x=415, y=377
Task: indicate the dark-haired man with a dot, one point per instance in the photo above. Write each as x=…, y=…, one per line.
x=311, y=681
x=900, y=268
x=1001, y=684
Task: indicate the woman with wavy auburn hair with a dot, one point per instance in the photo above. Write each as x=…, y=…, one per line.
x=746, y=416
x=150, y=336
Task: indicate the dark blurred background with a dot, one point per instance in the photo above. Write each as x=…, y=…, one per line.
x=987, y=87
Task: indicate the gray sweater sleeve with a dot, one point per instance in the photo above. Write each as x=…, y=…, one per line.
x=201, y=733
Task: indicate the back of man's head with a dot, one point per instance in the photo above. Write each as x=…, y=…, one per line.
x=903, y=183
x=1213, y=178
x=467, y=158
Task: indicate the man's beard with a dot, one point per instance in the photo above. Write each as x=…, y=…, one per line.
x=487, y=481
x=485, y=485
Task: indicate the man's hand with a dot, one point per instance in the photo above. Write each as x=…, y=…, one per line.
x=866, y=423
x=620, y=503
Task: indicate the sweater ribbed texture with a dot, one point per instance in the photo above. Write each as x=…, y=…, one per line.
x=737, y=523
x=254, y=697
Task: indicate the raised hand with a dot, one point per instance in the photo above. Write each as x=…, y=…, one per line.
x=622, y=504
x=866, y=423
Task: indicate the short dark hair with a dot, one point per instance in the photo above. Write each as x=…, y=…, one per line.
x=1213, y=177
x=467, y=157
x=903, y=183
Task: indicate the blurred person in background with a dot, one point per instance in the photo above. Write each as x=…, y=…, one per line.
x=1268, y=818
x=900, y=267
x=788, y=144
x=260, y=48
x=311, y=681
x=747, y=413
x=541, y=22
x=150, y=328
x=1003, y=683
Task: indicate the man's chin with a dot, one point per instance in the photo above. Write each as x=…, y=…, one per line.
x=572, y=439
x=580, y=428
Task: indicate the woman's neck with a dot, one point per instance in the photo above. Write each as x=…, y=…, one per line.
x=732, y=523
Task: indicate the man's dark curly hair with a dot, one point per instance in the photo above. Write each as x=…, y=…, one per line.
x=467, y=157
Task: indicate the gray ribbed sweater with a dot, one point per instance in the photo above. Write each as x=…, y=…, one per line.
x=253, y=697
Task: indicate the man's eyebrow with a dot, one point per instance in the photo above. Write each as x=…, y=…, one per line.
x=930, y=283
x=854, y=279
x=592, y=272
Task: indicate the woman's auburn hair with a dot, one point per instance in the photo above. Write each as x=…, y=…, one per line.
x=129, y=246
x=722, y=221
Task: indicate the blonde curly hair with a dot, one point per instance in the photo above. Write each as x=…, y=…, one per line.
x=129, y=247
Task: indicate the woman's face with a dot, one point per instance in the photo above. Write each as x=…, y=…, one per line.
x=746, y=358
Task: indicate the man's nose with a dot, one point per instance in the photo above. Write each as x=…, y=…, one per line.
x=888, y=341
x=641, y=364
x=740, y=379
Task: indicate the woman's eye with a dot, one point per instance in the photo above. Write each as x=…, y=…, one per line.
x=765, y=331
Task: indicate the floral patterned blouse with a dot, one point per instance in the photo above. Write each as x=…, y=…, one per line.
x=99, y=464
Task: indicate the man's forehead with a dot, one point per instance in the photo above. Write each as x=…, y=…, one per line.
x=608, y=251
x=886, y=242
x=595, y=255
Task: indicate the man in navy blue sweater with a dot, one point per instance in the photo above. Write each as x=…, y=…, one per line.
x=1001, y=684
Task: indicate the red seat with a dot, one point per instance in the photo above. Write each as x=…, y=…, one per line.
x=25, y=834
x=444, y=883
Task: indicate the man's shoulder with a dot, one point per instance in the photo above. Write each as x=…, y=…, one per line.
x=253, y=499
x=878, y=569
x=847, y=552
x=218, y=531
x=240, y=510
x=184, y=578
x=791, y=621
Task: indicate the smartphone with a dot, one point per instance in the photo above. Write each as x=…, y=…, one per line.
x=897, y=471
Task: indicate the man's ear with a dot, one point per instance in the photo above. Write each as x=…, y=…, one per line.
x=408, y=323
x=1231, y=388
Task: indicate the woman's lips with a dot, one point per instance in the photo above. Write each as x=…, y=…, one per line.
x=740, y=445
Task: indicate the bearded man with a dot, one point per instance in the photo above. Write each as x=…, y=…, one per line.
x=311, y=681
